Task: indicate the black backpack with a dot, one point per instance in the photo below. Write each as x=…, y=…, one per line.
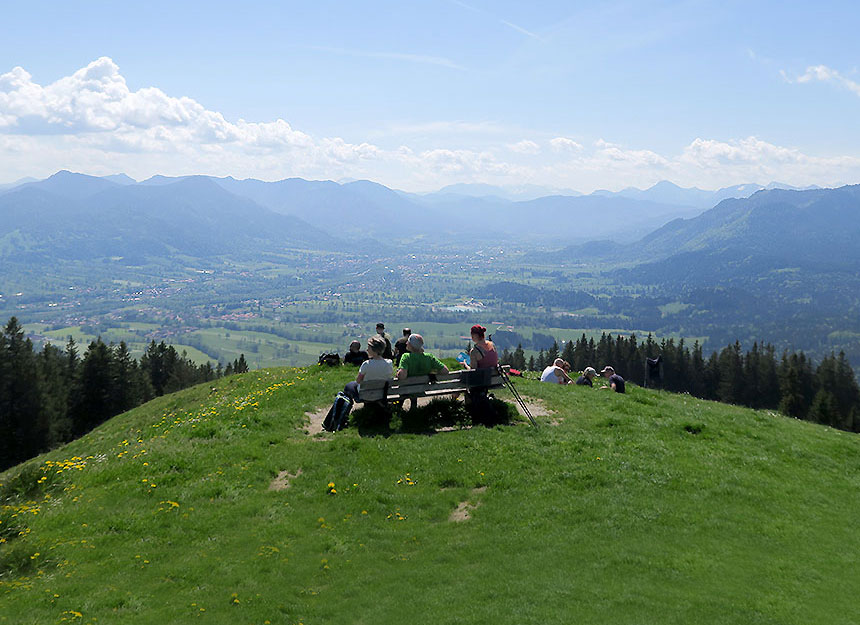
x=338, y=414
x=332, y=359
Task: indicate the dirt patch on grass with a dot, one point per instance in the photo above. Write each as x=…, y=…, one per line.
x=536, y=406
x=284, y=479
x=538, y=409
x=463, y=512
x=316, y=421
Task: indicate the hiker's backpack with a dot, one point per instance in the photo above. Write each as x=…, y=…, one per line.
x=338, y=414
x=332, y=359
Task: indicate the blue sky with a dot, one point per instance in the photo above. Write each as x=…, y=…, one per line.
x=417, y=95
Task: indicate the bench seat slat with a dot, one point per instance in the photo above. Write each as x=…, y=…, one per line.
x=421, y=386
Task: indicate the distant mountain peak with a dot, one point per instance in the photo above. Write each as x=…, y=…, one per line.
x=120, y=178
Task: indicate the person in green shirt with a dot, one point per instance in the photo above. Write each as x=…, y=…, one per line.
x=416, y=361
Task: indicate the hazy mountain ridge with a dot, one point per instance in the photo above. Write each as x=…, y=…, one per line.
x=795, y=225
x=74, y=216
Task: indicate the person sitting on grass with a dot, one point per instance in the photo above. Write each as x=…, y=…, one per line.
x=355, y=355
x=555, y=373
x=375, y=368
x=616, y=382
x=587, y=377
x=483, y=355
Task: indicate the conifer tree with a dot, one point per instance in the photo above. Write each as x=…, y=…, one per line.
x=52, y=373
x=697, y=371
x=603, y=354
x=568, y=352
x=23, y=427
x=712, y=376
x=581, y=354
x=97, y=392
x=768, y=378
x=730, y=389
x=552, y=353
x=518, y=360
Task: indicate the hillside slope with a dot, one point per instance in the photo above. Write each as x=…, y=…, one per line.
x=643, y=508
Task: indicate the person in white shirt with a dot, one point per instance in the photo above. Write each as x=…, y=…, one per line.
x=376, y=368
x=555, y=373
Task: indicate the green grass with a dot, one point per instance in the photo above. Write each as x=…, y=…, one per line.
x=640, y=508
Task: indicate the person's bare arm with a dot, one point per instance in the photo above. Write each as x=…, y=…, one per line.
x=444, y=369
x=359, y=378
x=474, y=356
x=401, y=374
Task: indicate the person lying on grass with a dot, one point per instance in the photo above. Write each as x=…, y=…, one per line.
x=376, y=368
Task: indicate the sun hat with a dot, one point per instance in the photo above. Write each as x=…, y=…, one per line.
x=589, y=370
x=607, y=368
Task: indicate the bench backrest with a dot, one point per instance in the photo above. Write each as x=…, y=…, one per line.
x=423, y=385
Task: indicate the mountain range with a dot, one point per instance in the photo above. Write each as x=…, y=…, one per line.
x=787, y=237
x=72, y=216
x=362, y=209
x=76, y=215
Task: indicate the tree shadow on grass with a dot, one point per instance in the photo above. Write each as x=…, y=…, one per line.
x=440, y=415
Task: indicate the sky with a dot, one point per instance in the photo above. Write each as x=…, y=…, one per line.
x=418, y=95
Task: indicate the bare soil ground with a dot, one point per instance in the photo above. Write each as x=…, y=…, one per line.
x=282, y=482
x=463, y=511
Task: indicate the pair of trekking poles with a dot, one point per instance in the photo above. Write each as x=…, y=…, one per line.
x=509, y=384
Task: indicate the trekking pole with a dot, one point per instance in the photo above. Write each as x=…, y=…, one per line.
x=509, y=384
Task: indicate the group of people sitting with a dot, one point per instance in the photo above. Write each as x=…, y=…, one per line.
x=381, y=361
x=559, y=373
x=408, y=357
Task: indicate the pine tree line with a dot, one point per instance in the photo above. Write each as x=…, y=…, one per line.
x=55, y=395
x=791, y=383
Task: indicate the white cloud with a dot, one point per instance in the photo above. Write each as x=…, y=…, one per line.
x=560, y=144
x=91, y=121
x=822, y=73
x=613, y=152
x=524, y=147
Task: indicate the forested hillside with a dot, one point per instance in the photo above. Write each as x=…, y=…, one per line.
x=55, y=395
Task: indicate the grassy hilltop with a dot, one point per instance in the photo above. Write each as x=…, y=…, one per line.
x=213, y=505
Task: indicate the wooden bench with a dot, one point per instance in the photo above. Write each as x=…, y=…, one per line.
x=385, y=391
